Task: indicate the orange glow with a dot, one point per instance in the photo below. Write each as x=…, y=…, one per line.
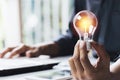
x=84, y=20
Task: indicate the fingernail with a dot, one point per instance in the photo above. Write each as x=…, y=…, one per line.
x=0, y=56
x=81, y=44
x=78, y=42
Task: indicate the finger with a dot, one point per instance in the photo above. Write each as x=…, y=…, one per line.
x=76, y=58
x=73, y=68
x=84, y=58
x=104, y=59
x=32, y=53
x=21, y=49
x=100, y=51
x=6, y=51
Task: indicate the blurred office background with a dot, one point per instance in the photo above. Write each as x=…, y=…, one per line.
x=33, y=21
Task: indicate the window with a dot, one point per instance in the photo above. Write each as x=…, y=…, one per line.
x=44, y=20
x=9, y=23
x=33, y=21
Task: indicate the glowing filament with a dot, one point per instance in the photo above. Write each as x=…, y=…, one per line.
x=85, y=22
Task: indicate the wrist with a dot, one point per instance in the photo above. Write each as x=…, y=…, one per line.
x=50, y=48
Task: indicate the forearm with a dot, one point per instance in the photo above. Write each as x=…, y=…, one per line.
x=50, y=48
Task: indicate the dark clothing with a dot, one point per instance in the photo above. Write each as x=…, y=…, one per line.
x=108, y=30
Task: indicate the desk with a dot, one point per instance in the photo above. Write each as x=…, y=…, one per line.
x=37, y=75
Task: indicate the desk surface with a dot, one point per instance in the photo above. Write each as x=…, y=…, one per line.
x=47, y=73
x=35, y=75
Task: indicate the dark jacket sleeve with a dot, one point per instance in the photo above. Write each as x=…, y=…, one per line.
x=66, y=43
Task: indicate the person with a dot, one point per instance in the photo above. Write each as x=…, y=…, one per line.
x=107, y=34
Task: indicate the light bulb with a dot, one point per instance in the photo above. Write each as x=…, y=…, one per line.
x=85, y=23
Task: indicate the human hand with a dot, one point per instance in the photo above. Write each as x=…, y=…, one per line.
x=82, y=69
x=29, y=51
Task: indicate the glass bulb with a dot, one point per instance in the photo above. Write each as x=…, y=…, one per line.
x=85, y=23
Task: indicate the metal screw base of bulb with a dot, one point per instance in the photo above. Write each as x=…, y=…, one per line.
x=88, y=45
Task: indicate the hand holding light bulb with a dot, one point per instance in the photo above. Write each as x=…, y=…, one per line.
x=85, y=23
